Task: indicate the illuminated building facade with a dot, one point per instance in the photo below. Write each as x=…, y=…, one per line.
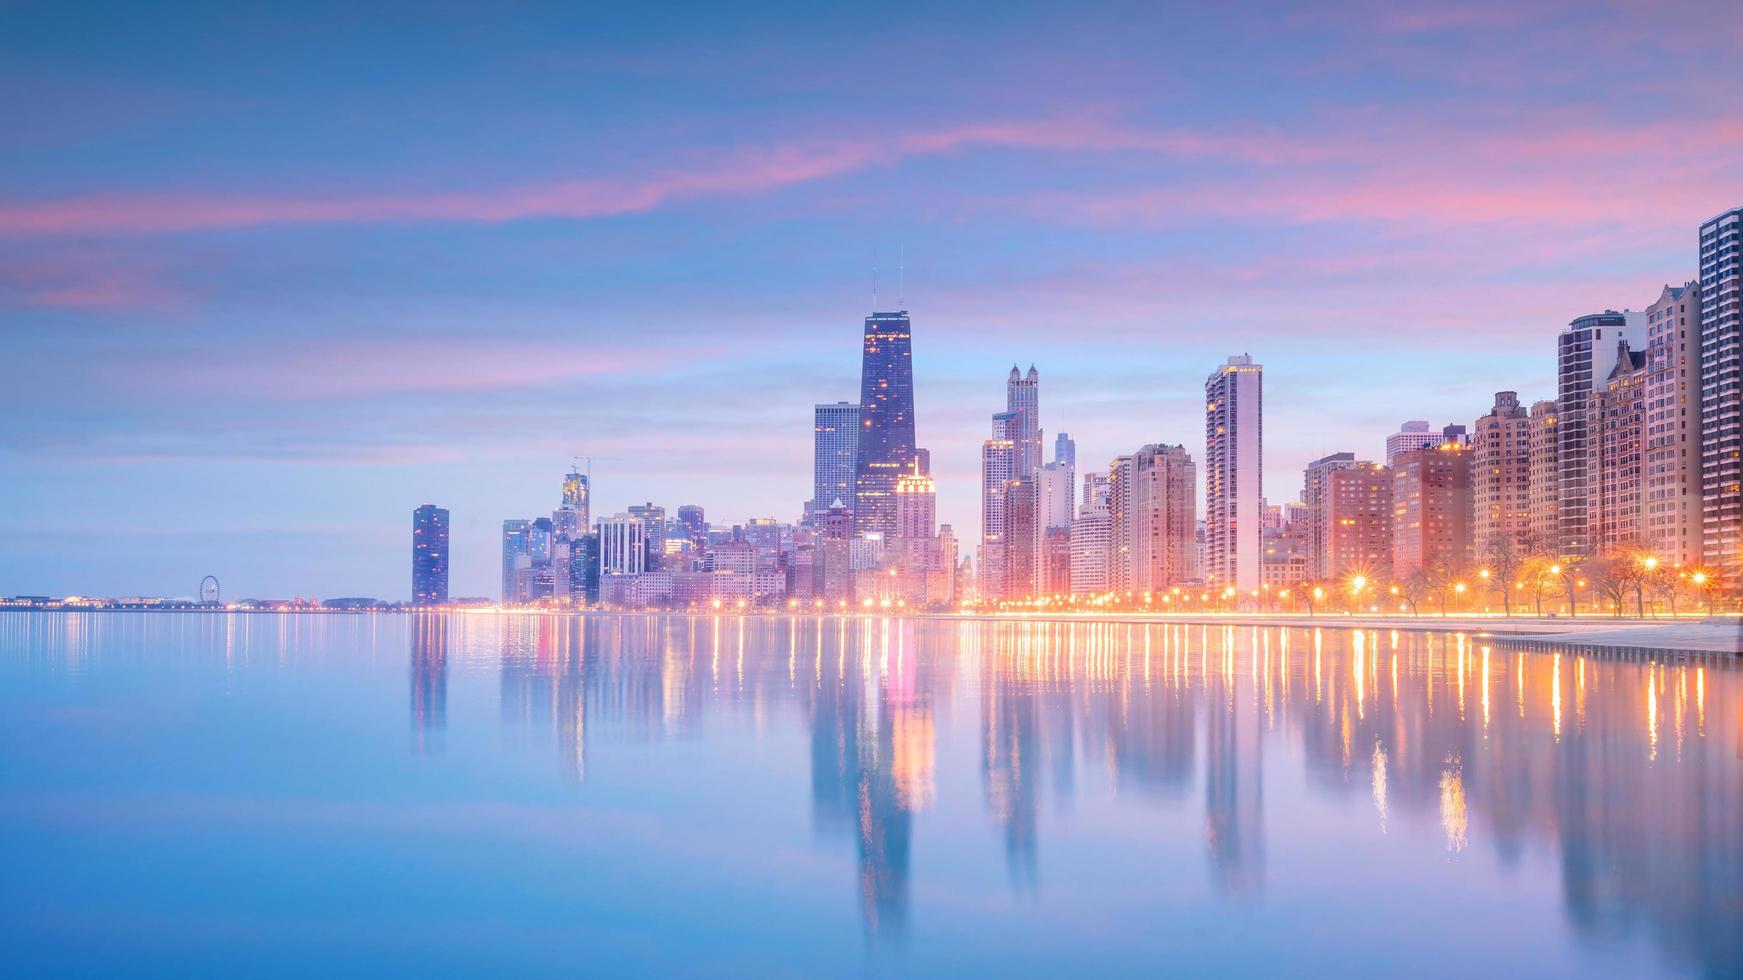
x=429, y=555
x=1616, y=421
x=1431, y=510
x=1234, y=467
x=885, y=448
x=1023, y=397
x=1313, y=483
x=1671, y=511
x=1543, y=487
x=1501, y=478
x=1358, y=522
x=1585, y=356
x=834, y=452
x=1721, y=254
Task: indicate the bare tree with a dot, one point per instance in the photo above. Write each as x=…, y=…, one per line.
x=1505, y=559
x=1610, y=576
x=1413, y=588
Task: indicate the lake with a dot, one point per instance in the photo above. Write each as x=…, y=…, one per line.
x=697, y=796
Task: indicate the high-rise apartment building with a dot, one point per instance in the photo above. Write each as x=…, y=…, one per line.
x=1585, y=356
x=1721, y=277
x=1501, y=478
x=1023, y=395
x=1410, y=436
x=429, y=555
x=1431, y=510
x=1616, y=437
x=886, y=448
x=1234, y=466
x=1358, y=514
x=1159, y=519
x=1090, y=543
x=1543, y=487
x=1671, y=511
x=1058, y=503
x=834, y=453
x=1022, y=540
x=1313, y=483
x=574, y=516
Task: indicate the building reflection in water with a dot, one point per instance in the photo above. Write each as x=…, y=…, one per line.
x=1630, y=771
x=428, y=657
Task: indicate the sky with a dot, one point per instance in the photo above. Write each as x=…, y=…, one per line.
x=273, y=275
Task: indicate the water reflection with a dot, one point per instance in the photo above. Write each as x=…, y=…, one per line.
x=1613, y=764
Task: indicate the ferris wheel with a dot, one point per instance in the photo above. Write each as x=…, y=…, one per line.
x=210, y=594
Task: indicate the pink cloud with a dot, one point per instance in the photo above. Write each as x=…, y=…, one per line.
x=89, y=279
x=749, y=172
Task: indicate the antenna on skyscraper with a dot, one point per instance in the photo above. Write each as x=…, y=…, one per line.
x=874, y=280
x=901, y=276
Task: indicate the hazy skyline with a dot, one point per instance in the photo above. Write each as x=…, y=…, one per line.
x=271, y=278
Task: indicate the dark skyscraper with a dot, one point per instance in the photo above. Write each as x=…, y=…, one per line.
x=429, y=556
x=886, y=435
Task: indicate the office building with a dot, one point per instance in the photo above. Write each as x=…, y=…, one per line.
x=1234, y=466
x=429, y=555
x=885, y=448
x=623, y=545
x=1410, y=436
x=1023, y=397
x=516, y=557
x=834, y=452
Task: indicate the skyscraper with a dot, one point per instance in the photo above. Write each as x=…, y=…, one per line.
x=574, y=516
x=835, y=442
x=623, y=546
x=1585, y=356
x=1023, y=395
x=516, y=557
x=1411, y=435
x=1065, y=450
x=915, y=541
x=1672, y=505
x=885, y=448
x=1722, y=394
x=1501, y=478
x=429, y=555
x=1234, y=466
x=653, y=518
x=998, y=467
x=694, y=523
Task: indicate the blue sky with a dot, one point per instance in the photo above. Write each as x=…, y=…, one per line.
x=271, y=276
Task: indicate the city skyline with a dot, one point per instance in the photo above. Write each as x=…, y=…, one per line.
x=272, y=329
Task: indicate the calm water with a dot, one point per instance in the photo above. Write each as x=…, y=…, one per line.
x=695, y=796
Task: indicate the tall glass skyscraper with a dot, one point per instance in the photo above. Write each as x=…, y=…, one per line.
x=429, y=555
x=886, y=433
x=835, y=454
x=1722, y=394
